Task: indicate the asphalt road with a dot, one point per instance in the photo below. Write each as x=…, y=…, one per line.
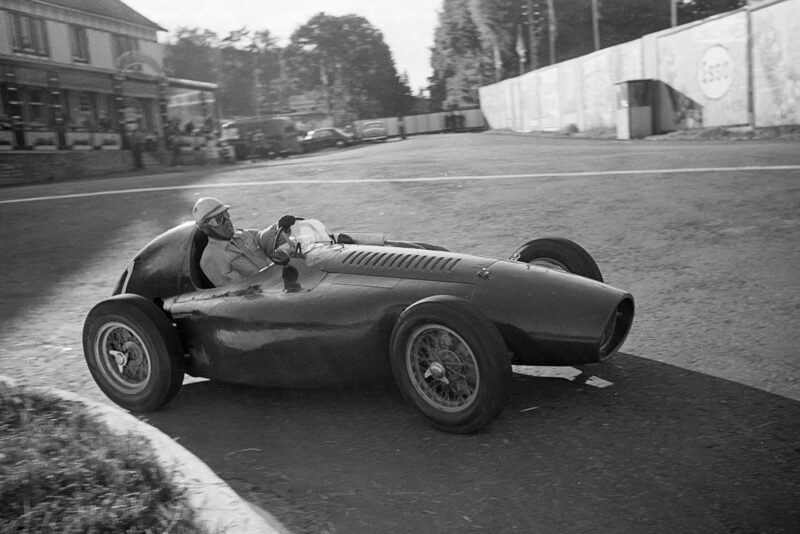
x=699, y=430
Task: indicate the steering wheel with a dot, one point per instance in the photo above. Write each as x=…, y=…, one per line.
x=279, y=256
x=282, y=257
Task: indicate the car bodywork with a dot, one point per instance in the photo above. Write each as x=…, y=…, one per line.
x=330, y=322
x=373, y=131
x=326, y=138
x=265, y=137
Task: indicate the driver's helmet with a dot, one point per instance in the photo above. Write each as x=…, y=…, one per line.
x=206, y=208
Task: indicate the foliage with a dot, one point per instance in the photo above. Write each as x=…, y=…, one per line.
x=692, y=10
x=190, y=56
x=482, y=41
x=244, y=64
x=61, y=471
x=626, y=20
x=459, y=60
x=249, y=62
x=476, y=42
x=346, y=59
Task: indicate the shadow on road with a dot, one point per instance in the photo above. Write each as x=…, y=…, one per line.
x=662, y=450
x=57, y=241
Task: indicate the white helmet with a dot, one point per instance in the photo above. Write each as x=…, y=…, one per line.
x=207, y=207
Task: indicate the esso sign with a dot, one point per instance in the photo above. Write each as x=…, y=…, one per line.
x=715, y=75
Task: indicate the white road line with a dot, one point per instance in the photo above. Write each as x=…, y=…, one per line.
x=694, y=170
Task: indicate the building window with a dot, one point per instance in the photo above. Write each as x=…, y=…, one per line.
x=14, y=98
x=104, y=113
x=37, y=113
x=29, y=35
x=85, y=109
x=123, y=44
x=81, y=110
x=80, y=44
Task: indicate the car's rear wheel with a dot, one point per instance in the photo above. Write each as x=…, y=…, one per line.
x=451, y=363
x=560, y=254
x=133, y=352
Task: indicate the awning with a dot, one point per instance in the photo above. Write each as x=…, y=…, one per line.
x=85, y=81
x=140, y=89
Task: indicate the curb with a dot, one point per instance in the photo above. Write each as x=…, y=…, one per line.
x=217, y=507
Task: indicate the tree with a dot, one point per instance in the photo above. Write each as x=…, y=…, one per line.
x=190, y=55
x=245, y=65
x=482, y=41
x=248, y=64
x=498, y=23
x=346, y=58
x=692, y=10
x=461, y=61
x=626, y=20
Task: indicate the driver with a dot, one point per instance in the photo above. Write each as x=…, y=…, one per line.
x=233, y=254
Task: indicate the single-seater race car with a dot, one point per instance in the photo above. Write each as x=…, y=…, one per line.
x=333, y=310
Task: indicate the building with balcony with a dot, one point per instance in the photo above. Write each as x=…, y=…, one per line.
x=86, y=75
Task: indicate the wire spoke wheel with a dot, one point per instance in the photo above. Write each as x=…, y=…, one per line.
x=442, y=367
x=451, y=363
x=122, y=358
x=133, y=352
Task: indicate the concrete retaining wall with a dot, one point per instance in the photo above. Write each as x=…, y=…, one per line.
x=739, y=68
x=31, y=166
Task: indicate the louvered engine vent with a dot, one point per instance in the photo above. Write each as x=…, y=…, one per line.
x=405, y=262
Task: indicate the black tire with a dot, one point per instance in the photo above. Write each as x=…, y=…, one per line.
x=463, y=340
x=133, y=352
x=559, y=253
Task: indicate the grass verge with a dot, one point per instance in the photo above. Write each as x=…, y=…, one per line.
x=62, y=471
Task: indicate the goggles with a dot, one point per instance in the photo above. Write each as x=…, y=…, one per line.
x=218, y=220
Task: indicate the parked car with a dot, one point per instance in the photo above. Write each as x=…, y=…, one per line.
x=373, y=131
x=327, y=138
x=352, y=308
x=261, y=137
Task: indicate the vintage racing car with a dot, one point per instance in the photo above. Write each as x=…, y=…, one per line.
x=333, y=310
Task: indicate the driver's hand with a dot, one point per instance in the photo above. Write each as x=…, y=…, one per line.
x=286, y=221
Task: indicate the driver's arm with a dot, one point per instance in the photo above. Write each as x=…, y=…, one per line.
x=266, y=237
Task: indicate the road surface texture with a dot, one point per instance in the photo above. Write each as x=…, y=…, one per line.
x=699, y=431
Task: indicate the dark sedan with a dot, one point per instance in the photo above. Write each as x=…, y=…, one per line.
x=373, y=131
x=326, y=138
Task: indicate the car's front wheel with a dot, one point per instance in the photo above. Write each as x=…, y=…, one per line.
x=451, y=363
x=560, y=254
x=133, y=352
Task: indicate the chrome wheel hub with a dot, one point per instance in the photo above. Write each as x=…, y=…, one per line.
x=437, y=372
x=442, y=368
x=122, y=358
